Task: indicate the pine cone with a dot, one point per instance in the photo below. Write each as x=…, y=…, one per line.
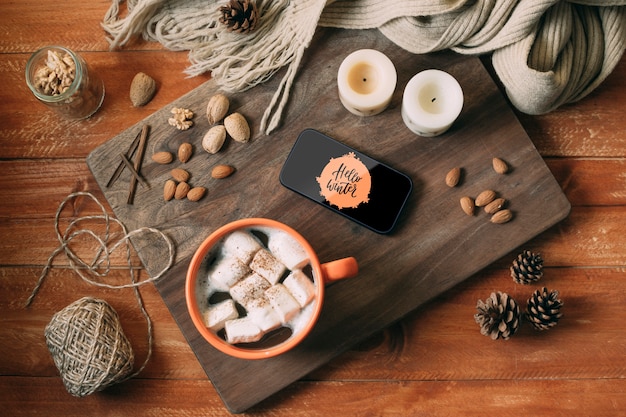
x=543, y=309
x=527, y=268
x=498, y=316
x=239, y=15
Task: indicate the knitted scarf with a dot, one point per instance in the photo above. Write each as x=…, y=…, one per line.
x=545, y=52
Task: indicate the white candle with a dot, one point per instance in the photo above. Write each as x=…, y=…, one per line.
x=366, y=80
x=432, y=101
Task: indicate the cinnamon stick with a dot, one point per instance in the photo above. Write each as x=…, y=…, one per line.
x=137, y=165
x=131, y=168
x=129, y=153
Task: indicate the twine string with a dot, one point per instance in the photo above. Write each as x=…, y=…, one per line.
x=100, y=265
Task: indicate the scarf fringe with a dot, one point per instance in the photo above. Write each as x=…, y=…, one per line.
x=546, y=52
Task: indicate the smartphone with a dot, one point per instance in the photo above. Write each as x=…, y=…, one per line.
x=346, y=181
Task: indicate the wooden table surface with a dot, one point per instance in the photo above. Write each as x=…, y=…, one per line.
x=433, y=362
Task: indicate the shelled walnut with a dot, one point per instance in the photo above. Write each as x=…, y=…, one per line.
x=181, y=119
x=57, y=75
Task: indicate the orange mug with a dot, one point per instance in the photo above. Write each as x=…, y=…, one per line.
x=212, y=289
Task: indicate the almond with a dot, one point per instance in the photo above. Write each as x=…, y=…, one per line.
x=180, y=175
x=217, y=108
x=214, y=139
x=142, y=89
x=181, y=190
x=453, y=177
x=485, y=198
x=222, y=171
x=237, y=127
x=495, y=205
x=196, y=193
x=169, y=189
x=502, y=216
x=500, y=166
x=163, y=157
x=184, y=152
x=467, y=204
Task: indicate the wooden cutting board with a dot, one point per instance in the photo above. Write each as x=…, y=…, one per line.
x=434, y=246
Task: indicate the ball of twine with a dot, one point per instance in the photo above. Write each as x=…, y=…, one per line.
x=88, y=346
x=85, y=339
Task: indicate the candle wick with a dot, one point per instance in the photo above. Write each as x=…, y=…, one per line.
x=364, y=80
x=433, y=99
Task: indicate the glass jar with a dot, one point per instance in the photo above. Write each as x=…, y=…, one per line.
x=60, y=79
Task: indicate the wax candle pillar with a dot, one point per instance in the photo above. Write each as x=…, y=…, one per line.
x=366, y=81
x=432, y=101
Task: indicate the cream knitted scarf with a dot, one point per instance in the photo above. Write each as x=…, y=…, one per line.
x=545, y=52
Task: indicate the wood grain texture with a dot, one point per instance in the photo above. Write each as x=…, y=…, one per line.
x=434, y=247
x=41, y=133
x=436, y=398
x=432, y=362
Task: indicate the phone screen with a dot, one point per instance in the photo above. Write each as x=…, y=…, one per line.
x=346, y=181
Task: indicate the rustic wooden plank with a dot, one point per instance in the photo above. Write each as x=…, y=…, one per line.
x=43, y=134
x=439, y=341
x=380, y=373
x=63, y=287
x=432, y=398
x=33, y=24
x=585, y=238
x=587, y=232
x=34, y=241
x=27, y=354
x=591, y=182
x=35, y=188
x=589, y=128
x=433, y=263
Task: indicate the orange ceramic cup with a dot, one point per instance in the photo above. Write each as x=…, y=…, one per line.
x=322, y=274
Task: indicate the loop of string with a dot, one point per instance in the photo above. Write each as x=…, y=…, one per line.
x=100, y=265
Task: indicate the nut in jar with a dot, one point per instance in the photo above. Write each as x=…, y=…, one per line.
x=60, y=79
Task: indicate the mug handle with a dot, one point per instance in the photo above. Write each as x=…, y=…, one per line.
x=339, y=269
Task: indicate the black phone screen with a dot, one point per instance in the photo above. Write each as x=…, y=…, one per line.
x=346, y=181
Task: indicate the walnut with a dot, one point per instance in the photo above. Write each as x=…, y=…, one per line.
x=57, y=75
x=181, y=119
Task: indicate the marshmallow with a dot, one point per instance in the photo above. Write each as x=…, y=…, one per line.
x=242, y=244
x=287, y=250
x=262, y=314
x=300, y=287
x=266, y=265
x=226, y=272
x=283, y=302
x=218, y=314
x=248, y=289
x=242, y=330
